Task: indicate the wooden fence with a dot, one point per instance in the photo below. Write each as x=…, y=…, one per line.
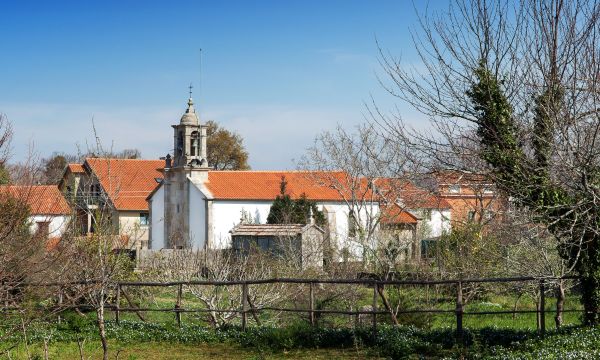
x=246, y=306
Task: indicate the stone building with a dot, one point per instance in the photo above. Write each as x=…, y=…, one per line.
x=298, y=243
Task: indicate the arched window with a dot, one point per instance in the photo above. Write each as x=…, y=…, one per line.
x=195, y=144
x=179, y=148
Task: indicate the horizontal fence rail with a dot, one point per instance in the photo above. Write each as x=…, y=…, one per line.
x=247, y=308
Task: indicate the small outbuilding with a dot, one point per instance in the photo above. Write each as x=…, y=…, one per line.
x=303, y=243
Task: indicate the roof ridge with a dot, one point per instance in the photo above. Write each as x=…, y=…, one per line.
x=277, y=171
x=119, y=159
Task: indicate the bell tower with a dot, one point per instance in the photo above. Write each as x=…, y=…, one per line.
x=188, y=165
x=190, y=139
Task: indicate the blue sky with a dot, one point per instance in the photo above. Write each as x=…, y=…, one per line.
x=277, y=72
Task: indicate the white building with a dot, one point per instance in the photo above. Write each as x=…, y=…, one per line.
x=197, y=207
x=49, y=212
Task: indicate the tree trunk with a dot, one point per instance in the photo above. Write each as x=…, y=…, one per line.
x=590, y=296
x=102, y=331
x=560, y=303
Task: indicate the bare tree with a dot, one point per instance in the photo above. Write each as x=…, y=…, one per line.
x=375, y=177
x=511, y=90
x=221, y=265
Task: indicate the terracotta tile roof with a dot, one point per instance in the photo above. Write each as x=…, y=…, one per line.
x=409, y=195
x=455, y=177
x=127, y=181
x=265, y=185
x=394, y=214
x=41, y=199
x=76, y=168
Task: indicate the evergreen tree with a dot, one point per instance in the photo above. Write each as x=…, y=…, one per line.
x=286, y=210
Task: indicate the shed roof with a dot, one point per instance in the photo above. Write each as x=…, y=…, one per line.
x=271, y=229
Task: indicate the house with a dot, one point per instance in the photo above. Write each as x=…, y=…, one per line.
x=472, y=197
x=414, y=216
x=49, y=212
x=196, y=207
x=116, y=187
x=301, y=243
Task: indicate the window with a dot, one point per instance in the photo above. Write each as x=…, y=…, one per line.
x=428, y=248
x=352, y=226
x=96, y=190
x=454, y=189
x=195, y=144
x=42, y=229
x=471, y=215
x=144, y=219
x=426, y=214
x=179, y=149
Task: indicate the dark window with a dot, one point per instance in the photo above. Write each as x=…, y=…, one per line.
x=352, y=225
x=195, y=144
x=179, y=148
x=144, y=218
x=471, y=215
x=428, y=248
x=43, y=229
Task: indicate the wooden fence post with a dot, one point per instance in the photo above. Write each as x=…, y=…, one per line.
x=244, y=305
x=117, y=305
x=459, y=312
x=311, y=314
x=178, y=305
x=542, y=307
x=375, y=296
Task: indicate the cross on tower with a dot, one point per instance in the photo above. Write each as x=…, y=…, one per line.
x=191, y=87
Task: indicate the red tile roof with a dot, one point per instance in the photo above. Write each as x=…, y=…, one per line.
x=265, y=185
x=394, y=214
x=76, y=168
x=455, y=177
x=411, y=196
x=41, y=199
x=127, y=181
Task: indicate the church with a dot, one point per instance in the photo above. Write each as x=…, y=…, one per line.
x=196, y=207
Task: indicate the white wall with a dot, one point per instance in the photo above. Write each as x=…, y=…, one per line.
x=129, y=225
x=227, y=213
x=57, y=227
x=338, y=214
x=157, y=220
x=197, y=220
x=434, y=227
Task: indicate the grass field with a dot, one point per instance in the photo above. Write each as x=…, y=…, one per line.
x=164, y=350
x=290, y=337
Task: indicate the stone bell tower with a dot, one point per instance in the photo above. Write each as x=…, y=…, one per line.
x=187, y=165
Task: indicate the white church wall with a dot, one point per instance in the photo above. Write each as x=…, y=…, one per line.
x=157, y=220
x=56, y=227
x=227, y=213
x=197, y=221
